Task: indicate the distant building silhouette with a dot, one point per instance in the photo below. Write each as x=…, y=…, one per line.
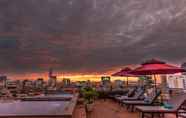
x=184, y=67
x=66, y=82
x=52, y=80
x=39, y=83
x=12, y=84
x=3, y=80
x=27, y=85
x=50, y=72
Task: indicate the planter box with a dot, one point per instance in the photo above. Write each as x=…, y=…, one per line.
x=89, y=107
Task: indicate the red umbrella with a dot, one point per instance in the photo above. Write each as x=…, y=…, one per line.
x=153, y=67
x=126, y=72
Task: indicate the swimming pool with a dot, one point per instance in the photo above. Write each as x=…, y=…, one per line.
x=62, y=109
x=49, y=97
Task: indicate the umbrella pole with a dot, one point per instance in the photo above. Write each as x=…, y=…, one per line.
x=127, y=82
x=155, y=83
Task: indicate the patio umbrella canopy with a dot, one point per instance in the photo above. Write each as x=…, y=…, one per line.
x=153, y=67
x=123, y=72
x=126, y=72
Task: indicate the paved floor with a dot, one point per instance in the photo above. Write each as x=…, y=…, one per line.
x=79, y=112
x=109, y=109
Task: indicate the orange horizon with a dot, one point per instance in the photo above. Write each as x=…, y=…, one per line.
x=85, y=77
x=60, y=75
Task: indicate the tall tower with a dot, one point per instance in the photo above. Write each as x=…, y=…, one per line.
x=51, y=78
x=50, y=73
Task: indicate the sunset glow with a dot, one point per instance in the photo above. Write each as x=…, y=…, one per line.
x=85, y=38
x=92, y=58
x=96, y=78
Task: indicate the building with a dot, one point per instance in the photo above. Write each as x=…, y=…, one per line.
x=12, y=84
x=3, y=80
x=66, y=82
x=105, y=81
x=176, y=81
x=184, y=67
x=39, y=83
x=52, y=80
x=27, y=85
x=118, y=84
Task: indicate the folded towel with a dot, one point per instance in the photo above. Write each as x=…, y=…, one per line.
x=167, y=105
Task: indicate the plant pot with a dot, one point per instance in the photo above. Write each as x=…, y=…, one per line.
x=89, y=107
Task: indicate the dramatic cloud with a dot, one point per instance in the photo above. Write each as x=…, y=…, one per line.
x=89, y=36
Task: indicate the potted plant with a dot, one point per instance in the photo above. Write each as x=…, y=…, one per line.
x=89, y=95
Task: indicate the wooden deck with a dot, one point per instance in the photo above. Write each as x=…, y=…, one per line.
x=108, y=109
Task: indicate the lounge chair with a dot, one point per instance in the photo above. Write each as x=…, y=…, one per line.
x=128, y=92
x=147, y=101
x=182, y=115
x=116, y=92
x=137, y=95
x=176, y=103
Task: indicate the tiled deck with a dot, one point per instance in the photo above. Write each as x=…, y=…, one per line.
x=109, y=109
x=79, y=112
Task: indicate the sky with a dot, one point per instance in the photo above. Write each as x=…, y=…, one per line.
x=89, y=36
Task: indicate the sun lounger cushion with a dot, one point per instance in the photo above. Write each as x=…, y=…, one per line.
x=147, y=99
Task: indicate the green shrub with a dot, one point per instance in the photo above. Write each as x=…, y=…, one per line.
x=89, y=94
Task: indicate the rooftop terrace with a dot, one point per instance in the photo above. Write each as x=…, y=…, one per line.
x=109, y=109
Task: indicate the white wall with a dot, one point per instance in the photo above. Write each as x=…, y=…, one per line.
x=176, y=81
